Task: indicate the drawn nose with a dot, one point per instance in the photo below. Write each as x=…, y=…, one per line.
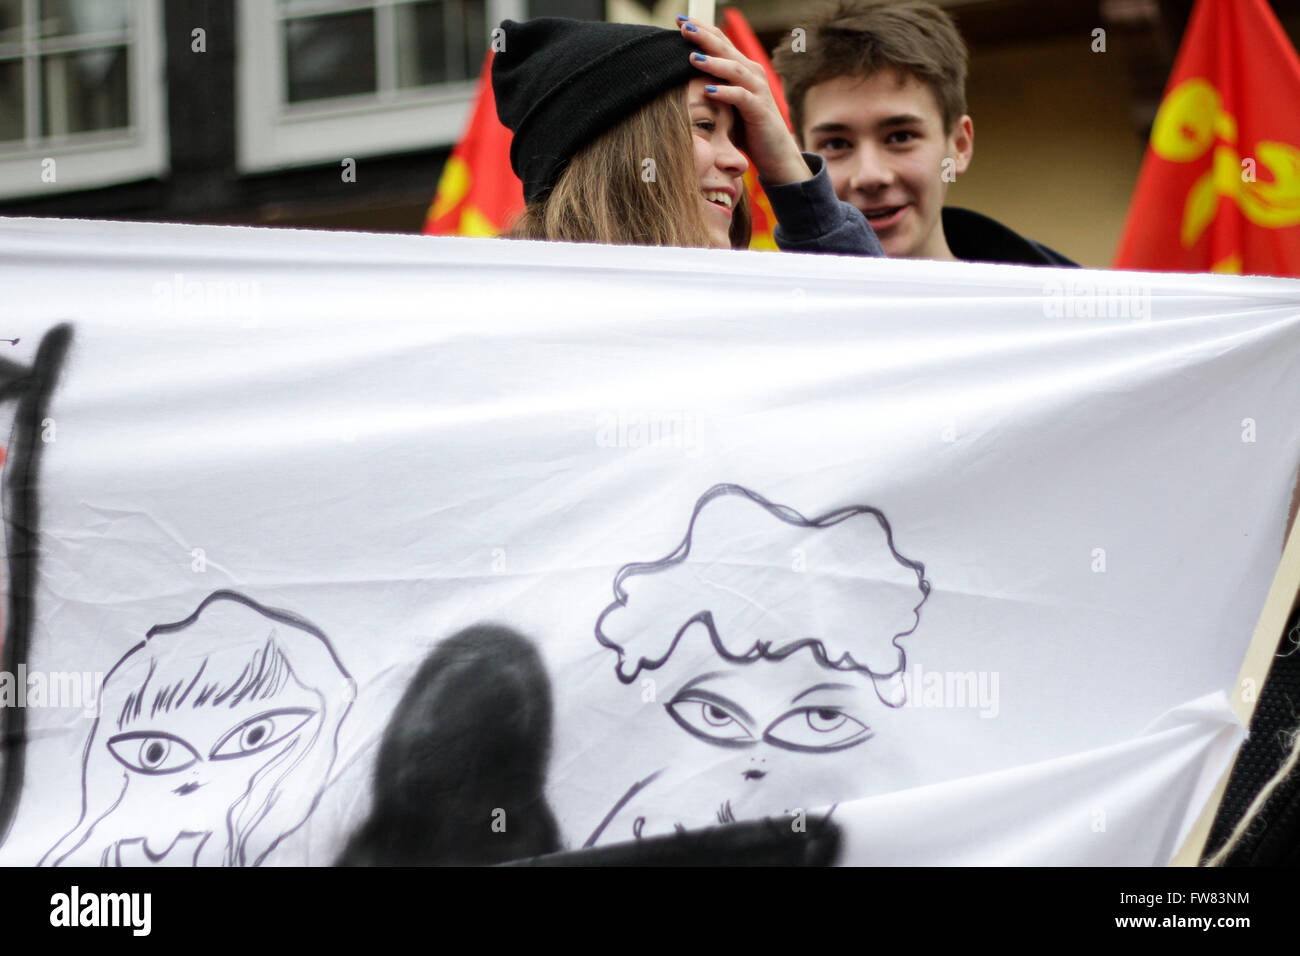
x=754, y=774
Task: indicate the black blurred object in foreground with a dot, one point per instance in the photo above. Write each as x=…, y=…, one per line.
x=462, y=765
x=761, y=843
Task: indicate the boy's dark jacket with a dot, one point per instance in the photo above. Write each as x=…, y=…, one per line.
x=976, y=238
x=811, y=219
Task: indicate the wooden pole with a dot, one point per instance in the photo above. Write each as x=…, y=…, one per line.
x=1250, y=682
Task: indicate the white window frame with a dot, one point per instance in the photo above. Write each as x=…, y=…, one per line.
x=101, y=158
x=274, y=135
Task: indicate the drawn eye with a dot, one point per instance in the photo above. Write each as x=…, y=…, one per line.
x=258, y=733
x=152, y=752
x=711, y=719
x=816, y=730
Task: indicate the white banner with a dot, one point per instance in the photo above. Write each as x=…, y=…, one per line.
x=331, y=547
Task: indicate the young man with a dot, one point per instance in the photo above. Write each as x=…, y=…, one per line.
x=879, y=90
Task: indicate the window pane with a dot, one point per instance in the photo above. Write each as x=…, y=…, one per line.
x=11, y=100
x=330, y=55
x=421, y=44
x=307, y=8
x=82, y=92
x=69, y=17
x=438, y=42
x=474, y=17
x=11, y=21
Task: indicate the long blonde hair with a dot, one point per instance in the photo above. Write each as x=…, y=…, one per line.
x=609, y=193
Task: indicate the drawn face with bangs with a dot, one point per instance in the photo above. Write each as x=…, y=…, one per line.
x=207, y=737
x=189, y=763
x=772, y=641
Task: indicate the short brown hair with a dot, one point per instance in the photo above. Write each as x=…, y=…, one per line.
x=601, y=197
x=862, y=37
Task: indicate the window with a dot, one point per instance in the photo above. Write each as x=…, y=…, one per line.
x=81, y=101
x=320, y=80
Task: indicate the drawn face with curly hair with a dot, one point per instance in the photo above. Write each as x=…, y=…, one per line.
x=772, y=640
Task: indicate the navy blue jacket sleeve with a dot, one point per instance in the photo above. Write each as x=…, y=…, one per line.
x=811, y=219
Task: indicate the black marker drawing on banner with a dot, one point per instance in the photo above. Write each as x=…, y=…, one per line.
x=461, y=770
x=214, y=740
x=847, y=598
x=29, y=388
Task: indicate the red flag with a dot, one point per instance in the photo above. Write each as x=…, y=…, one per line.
x=1219, y=189
x=479, y=194
x=738, y=31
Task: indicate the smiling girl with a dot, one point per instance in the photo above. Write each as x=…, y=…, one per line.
x=632, y=134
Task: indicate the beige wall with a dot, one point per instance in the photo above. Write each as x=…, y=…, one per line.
x=1056, y=157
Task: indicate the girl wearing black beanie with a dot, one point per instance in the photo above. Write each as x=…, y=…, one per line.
x=628, y=134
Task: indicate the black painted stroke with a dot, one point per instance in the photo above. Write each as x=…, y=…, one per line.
x=30, y=386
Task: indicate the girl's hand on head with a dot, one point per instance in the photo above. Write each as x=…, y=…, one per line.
x=770, y=145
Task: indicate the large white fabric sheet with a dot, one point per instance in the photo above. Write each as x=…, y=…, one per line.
x=399, y=437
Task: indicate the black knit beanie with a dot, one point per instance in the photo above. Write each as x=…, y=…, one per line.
x=561, y=83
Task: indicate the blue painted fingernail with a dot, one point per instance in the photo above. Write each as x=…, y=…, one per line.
x=711, y=89
x=692, y=27
x=699, y=56
x=682, y=18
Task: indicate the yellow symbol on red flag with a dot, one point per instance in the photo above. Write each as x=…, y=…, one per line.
x=1190, y=121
